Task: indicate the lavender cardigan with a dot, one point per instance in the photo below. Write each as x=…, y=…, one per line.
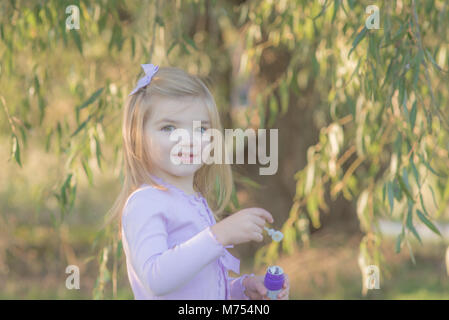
x=171, y=252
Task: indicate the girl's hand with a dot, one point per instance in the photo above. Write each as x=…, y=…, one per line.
x=283, y=295
x=243, y=226
x=255, y=288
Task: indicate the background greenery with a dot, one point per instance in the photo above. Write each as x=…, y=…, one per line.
x=363, y=135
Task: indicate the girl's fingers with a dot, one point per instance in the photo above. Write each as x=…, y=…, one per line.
x=257, y=229
x=286, y=282
x=259, y=221
x=257, y=236
x=284, y=292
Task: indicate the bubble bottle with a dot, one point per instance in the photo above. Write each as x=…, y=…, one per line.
x=274, y=281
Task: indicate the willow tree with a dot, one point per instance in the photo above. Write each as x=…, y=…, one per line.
x=381, y=95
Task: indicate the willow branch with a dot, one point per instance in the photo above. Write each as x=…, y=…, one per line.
x=440, y=114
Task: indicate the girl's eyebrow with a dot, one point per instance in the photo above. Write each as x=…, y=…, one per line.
x=176, y=122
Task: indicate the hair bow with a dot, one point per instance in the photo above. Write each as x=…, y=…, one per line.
x=150, y=70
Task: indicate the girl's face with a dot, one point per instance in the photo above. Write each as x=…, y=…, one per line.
x=167, y=115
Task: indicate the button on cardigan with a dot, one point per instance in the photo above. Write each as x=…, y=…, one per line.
x=171, y=252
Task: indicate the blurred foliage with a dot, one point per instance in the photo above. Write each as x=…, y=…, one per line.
x=382, y=97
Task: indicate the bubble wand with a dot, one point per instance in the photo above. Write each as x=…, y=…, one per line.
x=275, y=235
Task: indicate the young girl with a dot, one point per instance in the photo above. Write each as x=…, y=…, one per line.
x=174, y=247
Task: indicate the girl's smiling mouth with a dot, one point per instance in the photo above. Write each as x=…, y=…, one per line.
x=186, y=157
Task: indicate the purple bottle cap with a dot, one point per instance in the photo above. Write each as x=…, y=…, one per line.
x=274, y=278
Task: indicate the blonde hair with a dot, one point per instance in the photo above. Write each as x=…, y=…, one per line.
x=168, y=82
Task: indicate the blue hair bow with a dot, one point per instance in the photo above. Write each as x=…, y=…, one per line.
x=150, y=70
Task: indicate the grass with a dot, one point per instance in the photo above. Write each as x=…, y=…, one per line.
x=327, y=270
x=34, y=268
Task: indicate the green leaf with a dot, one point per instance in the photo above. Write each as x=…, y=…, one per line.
x=72, y=197
x=64, y=187
x=133, y=46
x=312, y=210
x=433, y=196
x=67, y=180
x=403, y=186
x=422, y=203
x=106, y=275
x=82, y=125
x=373, y=51
x=98, y=151
x=415, y=172
x=88, y=172
x=119, y=249
x=397, y=190
x=427, y=222
x=24, y=136
x=405, y=178
x=174, y=43
x=36, y=85
x=411, y=252
x=388, y=73
x=184, y=48
x=189, y=41
x=159, y=21
x=234, y=198
x=102, y=21
x=410, y=221
x=404, y=104
x=357, y=39
x=429, y=167
x=48, y=139
x=53, y=220
x=323, y=9
x=77, y=39
x=429, y=120
x=15, y=152
x=91, y=99
x=116, y=38
x=413, y=115
x=41, y=105
x=273, y=110
x=416, y=68
x=398, y=145
x=59, y=134
x=399, y=241
x=432, y=60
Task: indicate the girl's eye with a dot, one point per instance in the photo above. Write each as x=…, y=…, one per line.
x=165, y=128
x=203, y=131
